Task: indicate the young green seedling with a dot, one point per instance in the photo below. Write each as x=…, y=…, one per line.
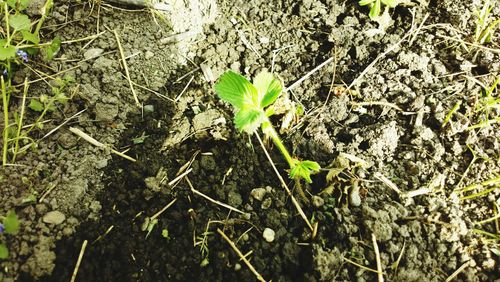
x=253, y=104
x=8, y=225
x=376, y=6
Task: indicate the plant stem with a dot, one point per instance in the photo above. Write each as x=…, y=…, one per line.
x=20, y=122
x=7, y=28
x=269, y=130
x=6, y=121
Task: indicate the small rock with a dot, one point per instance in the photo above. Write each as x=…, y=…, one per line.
x=149, y=55
x=266, y=204
x=268, y=235
x=354, y=197
x=92, y=53
x=317, y=201
x=237, y=267
x=258, y=193
x=149, y=108
x=54, y=217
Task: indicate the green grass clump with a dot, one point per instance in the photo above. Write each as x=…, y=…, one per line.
x=253, y=104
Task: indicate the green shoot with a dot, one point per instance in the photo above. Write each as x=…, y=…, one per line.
x=485, y=27
x=253, y=108
x=20, y=39
x=450, y=113
x=487, y=104
x=9, y=225
x=376, y=6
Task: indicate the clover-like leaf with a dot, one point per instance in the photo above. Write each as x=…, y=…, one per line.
x=28, y=36
x=11, y=223
x=18, y=5
x=20, y=22
x=249, y=119
x=235, y=89
x=304, y=169
x=36, y=105
x=7, y=52
x=269, y=88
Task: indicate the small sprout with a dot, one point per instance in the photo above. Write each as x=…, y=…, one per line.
x=165, y=234
x=254, y=106
x=376, y=6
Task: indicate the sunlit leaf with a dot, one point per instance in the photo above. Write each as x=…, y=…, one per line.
x=4, y=252
x=235, y=89
x=20, y=22
x=304, y=169
x=36, y=105
x=11, y=223
x=7, y=52
x=249, y=119
x=268, y=87
x=365, y=2
x=375, y=10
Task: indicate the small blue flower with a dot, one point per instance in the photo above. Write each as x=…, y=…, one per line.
x=2, y=228
x=23, y=55
x=5, y=73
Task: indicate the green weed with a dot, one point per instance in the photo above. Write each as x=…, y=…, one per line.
x=20, y=40
x=485, y=25
x=10, y=225
x=376, y=6
x=253, y=104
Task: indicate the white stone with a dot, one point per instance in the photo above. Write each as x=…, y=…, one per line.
x=268, y=235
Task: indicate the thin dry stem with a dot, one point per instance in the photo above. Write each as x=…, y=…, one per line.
x=283, y=183
x=125, y=66
x=79, y=261
x=380, y=274
x=240, y=254
x=210, y=199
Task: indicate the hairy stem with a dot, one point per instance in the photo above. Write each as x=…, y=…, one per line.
x=269, y=130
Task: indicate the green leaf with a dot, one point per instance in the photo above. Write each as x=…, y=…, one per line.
x=235, y=89
x=11, y=223
x=36, y=105
x=268, y=87
x=20, y=22
x=249, y=119
x=365, y=2
x=7, y=52
x=391, y=3
x=28, y=36
x=4, y=252
x=23, y=4
x=375, y=10
x=52, y=49
x=303, y=169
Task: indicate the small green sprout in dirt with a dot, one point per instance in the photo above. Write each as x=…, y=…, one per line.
x=376, y=6
x=485, y=25
x=9, y=225
x=488, y=105
x=253, y=104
